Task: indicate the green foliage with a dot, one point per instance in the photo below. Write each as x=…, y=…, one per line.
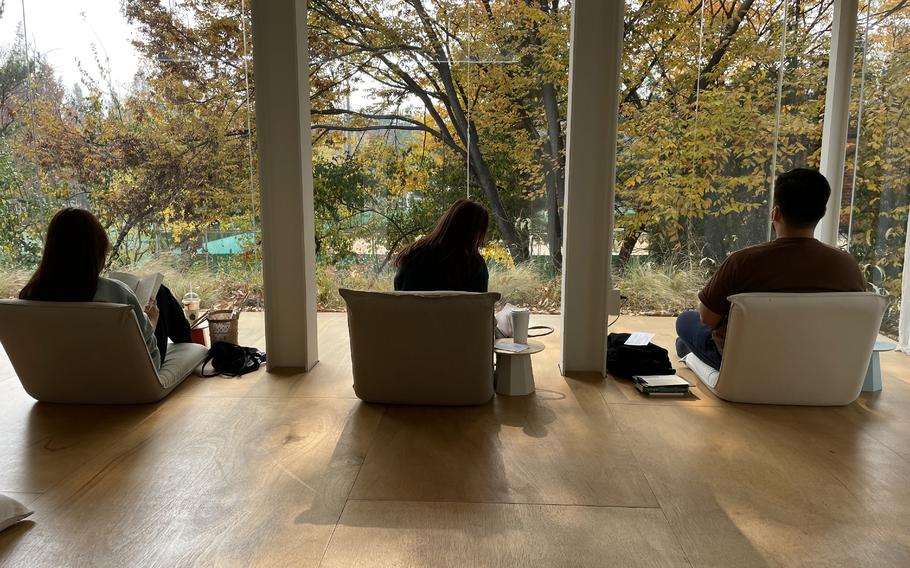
x=330, y=278
x=526, y=285
x=17, y=247
x=219, y=286
x=661, y=289
x=11, y=281
x=339, y=189
x=381, y=193
x=881, y=195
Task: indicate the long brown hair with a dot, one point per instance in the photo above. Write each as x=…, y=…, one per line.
x=459, y=232
x=74, y=254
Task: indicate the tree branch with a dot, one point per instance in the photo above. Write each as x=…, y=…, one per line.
x=726, y=39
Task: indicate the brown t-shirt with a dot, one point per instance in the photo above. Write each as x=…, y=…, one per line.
x=783, y=265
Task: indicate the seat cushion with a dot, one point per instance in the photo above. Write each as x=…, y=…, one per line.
x=180, y=361
x=705, y=372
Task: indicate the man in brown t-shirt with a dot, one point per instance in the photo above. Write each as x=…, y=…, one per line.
x=794, y=262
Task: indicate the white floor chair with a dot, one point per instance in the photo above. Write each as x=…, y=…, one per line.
x=433, y=348
x=801, y=349
x=88, y=353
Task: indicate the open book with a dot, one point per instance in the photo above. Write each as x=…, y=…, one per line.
x=144, y=287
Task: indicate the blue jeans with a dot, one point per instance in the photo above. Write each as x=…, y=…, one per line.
x=695, y=337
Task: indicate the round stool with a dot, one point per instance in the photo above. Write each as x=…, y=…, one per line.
x=514, y=374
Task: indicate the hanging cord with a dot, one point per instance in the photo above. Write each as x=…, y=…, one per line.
x=701, y=49
x=467, y=176
x=29, y=98
x=30, y=104
x=776, y=134
x=249, y=115
x=859, y=124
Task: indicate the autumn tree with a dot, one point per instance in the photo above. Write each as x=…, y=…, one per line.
x=697, y=118
x=24, y=207
x=493, y=96
x=171, y=155
x=877, y=192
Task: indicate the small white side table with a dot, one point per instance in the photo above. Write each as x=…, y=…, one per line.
x=514, y=375
x=873, y=382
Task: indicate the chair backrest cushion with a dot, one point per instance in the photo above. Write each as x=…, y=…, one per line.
x=79, y=352
x=799, y=348
x=422, y=347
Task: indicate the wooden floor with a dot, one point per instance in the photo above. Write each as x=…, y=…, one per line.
x=292, y=470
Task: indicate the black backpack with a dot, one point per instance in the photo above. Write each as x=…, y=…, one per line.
x=629, y=360
x=233, y=360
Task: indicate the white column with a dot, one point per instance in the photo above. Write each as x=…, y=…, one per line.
x=903, y=338
x=280, y=56
x=837, y=113
x=594, y=81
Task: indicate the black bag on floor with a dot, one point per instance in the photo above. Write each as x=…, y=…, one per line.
x=629, y=360
x=233, y=360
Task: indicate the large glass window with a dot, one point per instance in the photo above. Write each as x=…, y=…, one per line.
x=419, y=103
x=877, y=174
x=718, y=98
x=139, y=111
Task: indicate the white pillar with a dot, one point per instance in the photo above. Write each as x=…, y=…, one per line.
x=837, y=113
x=903, y=337
x=280, y=56
x=594, y=81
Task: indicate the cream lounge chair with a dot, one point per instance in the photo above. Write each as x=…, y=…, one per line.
x=801, y=349
x=88, y=353
x=433, y=348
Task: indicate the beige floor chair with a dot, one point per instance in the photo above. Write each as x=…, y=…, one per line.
x=801, y=349
x=88, y=353
x=432, y=348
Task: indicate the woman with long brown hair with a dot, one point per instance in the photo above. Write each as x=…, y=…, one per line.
x=449, y=257
x=70, y=271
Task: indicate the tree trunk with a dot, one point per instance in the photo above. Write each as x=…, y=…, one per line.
x=730, y=29
x=625, y=251
x=116, y=247
x=555, y=175
x=485, y=178
x=517, y=248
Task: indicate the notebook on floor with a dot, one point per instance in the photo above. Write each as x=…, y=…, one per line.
x=661, y=384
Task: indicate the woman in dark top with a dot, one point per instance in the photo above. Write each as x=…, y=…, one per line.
x=449, y=257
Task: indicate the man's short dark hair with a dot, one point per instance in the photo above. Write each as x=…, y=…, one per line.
x=802, y=195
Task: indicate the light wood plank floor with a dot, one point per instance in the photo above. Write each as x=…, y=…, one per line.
x=288, y=469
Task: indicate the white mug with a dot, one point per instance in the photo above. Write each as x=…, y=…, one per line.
x=520, y=319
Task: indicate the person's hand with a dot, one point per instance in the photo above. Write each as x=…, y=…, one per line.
x=151, y=310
